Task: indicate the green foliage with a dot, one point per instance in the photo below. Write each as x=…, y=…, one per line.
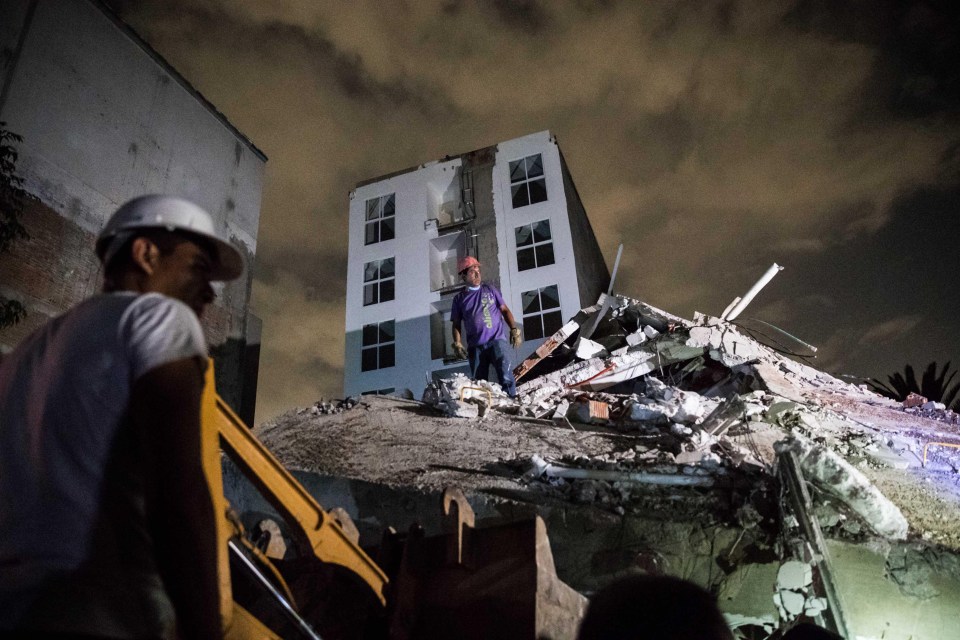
x=932, y=386
x=12, y=196
x=12, y=201
x=11, y=312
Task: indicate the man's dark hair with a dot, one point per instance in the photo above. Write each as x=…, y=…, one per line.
x=165, y=240
x=645, y=606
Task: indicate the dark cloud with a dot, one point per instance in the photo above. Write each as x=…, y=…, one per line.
x=901, y=276
x=318, y=268
x=712, y=138
x=916, y=73
x=530, y=16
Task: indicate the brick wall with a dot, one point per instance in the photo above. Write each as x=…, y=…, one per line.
x=56, y=268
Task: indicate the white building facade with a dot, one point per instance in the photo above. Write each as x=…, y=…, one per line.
x=513, y=206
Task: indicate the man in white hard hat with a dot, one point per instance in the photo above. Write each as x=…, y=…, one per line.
x=106, y=521
x=485, y=318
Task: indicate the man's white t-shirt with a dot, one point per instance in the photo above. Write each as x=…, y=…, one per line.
x=75, y=548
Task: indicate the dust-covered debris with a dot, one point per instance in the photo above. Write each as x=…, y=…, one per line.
x=656, y=417
x=328, y=407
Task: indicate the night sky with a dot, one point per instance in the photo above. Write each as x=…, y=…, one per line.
x=711, y=138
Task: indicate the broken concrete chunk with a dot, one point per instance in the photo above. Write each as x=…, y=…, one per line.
x=814, y=607
x=562, y=409
x=794, y=575
x=458, y=409
x=680, y=430
x=690, y=408
x=914, y=400
x=650, y=332
x=790, y=603
x=698, y=457
x=587, y=349
x=653, y=413
x=636, y=338
x=838, y=478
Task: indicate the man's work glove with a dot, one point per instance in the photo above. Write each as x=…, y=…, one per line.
x=515, y=339
x=459, y=352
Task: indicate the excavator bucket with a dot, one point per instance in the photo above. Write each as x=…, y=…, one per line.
x=497, y=582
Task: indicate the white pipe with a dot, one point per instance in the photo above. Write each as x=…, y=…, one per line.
x=754, y=290
x=665, y=479
x=730, y=307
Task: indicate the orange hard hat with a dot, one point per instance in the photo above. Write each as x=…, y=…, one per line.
x=465, y=263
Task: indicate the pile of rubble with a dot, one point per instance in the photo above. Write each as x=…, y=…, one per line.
x=710, y=409
x=327, y=407
x=647, y=441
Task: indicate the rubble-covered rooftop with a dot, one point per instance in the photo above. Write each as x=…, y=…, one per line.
x=655, y=424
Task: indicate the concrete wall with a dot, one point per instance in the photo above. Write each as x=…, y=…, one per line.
x=894, y=591
x=410, y=308
x=563, y=272
x=105, y=119
x=593, y=278
x=483, y=166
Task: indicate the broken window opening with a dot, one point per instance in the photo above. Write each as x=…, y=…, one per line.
x=441, y=330
x=378, y=281
x=380, y=219
x=527, y=182
x=541, y=312
x=445, y=251
x=534, y=245
x=377, y=350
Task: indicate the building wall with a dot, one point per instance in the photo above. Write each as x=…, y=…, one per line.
x=563, y=273
x=490, y=237
x=105, y=119
x=593, y=277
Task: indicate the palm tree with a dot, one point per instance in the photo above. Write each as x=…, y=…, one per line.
x=932, y=386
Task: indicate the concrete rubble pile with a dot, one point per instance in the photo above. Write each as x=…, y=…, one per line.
x=649, y=442
x=698, y=390
x=714, y=413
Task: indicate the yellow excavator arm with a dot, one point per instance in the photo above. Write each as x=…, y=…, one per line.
x=313, y=528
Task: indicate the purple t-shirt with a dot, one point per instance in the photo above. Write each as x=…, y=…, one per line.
x=479, y=310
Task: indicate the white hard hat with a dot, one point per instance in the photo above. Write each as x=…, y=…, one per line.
x=173, y=214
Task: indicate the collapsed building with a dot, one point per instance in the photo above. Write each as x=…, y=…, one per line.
x=648, y=442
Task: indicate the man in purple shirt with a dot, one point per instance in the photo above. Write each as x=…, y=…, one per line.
x=481, y=309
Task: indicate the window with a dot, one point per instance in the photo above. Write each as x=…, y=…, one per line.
x=541, y=312
x=380, y=219
x=378, y=277
x=377, y=351
x=527, y=184
x=445, y=250
x=534, y=245
x=441, y=330
x=379, y=392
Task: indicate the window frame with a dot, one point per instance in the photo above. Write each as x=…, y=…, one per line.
x=376, y=216
x=522, y=184
x=534, y=246
x=540, y=315
x=377, y=283
x=383, y=350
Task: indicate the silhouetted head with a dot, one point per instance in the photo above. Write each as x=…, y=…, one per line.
x=655, y=607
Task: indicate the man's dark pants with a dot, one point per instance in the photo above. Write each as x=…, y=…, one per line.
x=493, y=353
